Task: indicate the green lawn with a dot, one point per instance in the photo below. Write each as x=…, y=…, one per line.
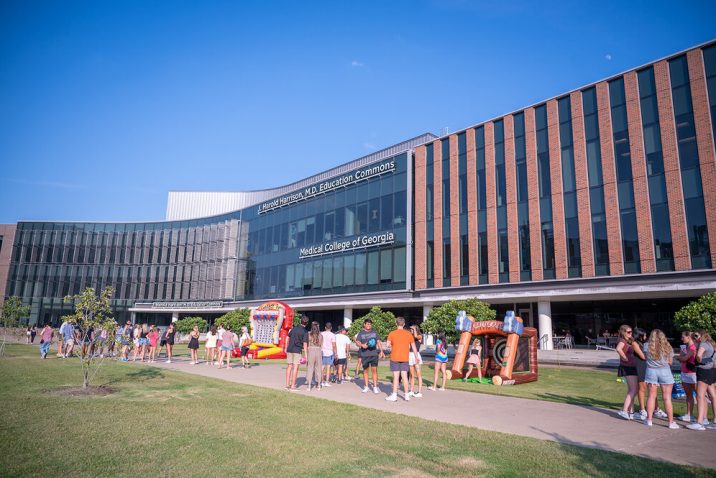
x=167, y=423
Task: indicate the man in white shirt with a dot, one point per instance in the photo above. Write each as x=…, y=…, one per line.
x=328, y=352
x=343, y=351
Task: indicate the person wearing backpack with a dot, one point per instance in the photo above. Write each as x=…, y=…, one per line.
x=705, y=380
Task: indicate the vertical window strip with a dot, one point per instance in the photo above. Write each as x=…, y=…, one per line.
x=501, y=202
x=569, y=187
x=545, y=192
x=523, y=221
x=481, y=205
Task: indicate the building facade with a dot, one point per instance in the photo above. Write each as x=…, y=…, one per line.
x=582, y=212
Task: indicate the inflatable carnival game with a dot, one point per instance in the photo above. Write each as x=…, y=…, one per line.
x=509, y=350
x=270, y=324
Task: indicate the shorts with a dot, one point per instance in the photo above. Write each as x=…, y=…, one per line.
x=689, y=377
x=143, y=342
x=441, y=360
x=640, y=369
x=226, y=348
x=293, y=358
x=69, y=341
x=327, y=360
x=342, y=361
x=627, y=371
x=399, y=366
x=412, y=359
x=163, y=343
x=244, y=351
x=474, y=359
x=659, y=376
x=706, y=375
x=369, y=362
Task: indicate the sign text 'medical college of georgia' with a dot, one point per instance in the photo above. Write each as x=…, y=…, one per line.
x=334, y=247
x=326, y=186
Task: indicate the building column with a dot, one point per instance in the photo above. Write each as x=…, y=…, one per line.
x=426, y=311
x=544, y=312
x=133, y=317
x=175, y=316
x=428, y=339
x=347, y=317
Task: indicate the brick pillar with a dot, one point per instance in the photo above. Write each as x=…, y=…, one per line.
x=533, y=195
x=437, y=214
x=672, y=172
x=420, y=223
x=492, y=265
x=584, y=212
x=609, y=175
x=555, y=162
x=472, y=205
x=511, y=179
x=638, y=171
x=705, y=142
x=454, y=214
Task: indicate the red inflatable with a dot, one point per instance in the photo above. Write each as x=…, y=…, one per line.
x=270, y=324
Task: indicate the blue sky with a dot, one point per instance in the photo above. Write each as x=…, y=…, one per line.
x=105, y=106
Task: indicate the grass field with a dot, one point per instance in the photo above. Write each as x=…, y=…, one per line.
x=167, y=423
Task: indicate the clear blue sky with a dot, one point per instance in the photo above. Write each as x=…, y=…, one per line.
x=105, y=106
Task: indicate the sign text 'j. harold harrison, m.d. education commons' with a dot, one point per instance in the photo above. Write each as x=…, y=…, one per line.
x=334, y=247
x=329, y=185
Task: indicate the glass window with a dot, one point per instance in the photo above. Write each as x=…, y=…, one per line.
x=373, y=267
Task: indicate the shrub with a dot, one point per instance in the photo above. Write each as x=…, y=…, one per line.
x=699, y=314
x=383, y=323
x=185, y=325
x=235, y=319
x=442, y=318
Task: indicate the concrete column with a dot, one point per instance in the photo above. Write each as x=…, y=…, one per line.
x=347, y=317
x=428, y=339
x=133, y=316
x=426, y=311
x=175, y=316
x=544, y=312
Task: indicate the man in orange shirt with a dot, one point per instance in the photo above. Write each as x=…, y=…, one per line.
x=400, y=342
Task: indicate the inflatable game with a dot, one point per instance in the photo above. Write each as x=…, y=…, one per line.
x=509, y=350
x=270, y=324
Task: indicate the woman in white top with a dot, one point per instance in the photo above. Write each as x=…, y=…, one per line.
x=244, y=342
x=211, y=337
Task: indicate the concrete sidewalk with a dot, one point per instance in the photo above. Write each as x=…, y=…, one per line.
x=570, y=424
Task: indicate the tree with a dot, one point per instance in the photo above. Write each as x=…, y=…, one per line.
x=235, y=319
x=186, y=325
x=698, y=314
x=383, y=322
x=92, y=314
x=12, y=310
x=442, y=318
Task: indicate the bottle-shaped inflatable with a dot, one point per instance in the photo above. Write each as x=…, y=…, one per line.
x=511, y=325
x=462, y=323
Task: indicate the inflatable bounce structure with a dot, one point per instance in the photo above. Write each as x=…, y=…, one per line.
x=270, y=324
x=509, y=350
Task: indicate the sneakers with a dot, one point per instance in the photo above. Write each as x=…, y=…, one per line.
x=409, y=394
x=327, y=384
x=660, y=413
x=705, y=422
x=711, y=427
x=673, y=426
x=366, y=389
x=624, y=414
x=418, y=395
x=642, y=415
x=376, y=390
x=648, y=423
x=686, y=418
x=168, y=361
x=407, y=398
x=392, y=397
x=432, y=389
x=696, y=426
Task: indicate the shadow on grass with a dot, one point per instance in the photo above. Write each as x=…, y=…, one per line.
x=575, y=400
x=146, y=373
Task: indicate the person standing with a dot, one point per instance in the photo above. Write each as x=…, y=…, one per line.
x=441, y=359
x=705, y=380
x=626, y=348
x=169, y=337
x=416, y=362
x=220, y=335
x=328, y=352
x=659, y=356
x=295, y=349
x=227, y=346
x=343, y=350
x=61, y=340
x=244, y=342
x=210, y=345
x=153, y=340
x=401, y=343
x=687, y=357
x=194, y=345
x=313, y=359
x=33, y=333
x=474, y=360
x=369, y=351
x=45, y=340
x=68, y=334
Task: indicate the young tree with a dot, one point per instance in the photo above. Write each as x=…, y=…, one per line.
x=185, y=325
x=235, y=319
x=12, y=311
x=699, y=314
x=442, y=318
x=383, y=323
x=92, y=314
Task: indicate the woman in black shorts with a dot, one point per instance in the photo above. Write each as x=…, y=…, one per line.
x=194, y=345
x=169, y=338
x=705, y=380
x=626, y=349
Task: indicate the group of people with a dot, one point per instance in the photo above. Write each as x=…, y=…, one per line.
x=220, y=343
x=645, y=364
x=326, y=355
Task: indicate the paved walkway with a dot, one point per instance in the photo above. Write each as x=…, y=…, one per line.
x=572, y=424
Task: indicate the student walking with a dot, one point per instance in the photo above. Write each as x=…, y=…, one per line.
x=313, y=364
x=210, y=345
x=401, y=343
x=343, y=350
x=441, y=359
x=68, y=333
x=296, y=348
x=244, y=342
x=227, y=345
x=33, y=333
x=328, y=353
x=169, y=338
x=136, y=331
x=45, y=340
x=220, y=335
x=659, y=356
x=194, y=345
x=705, y=380
x=687, y=357
x=416, y=362
x=474, y=360
x=626, y=348
x=153, y=337
x=369, y=351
